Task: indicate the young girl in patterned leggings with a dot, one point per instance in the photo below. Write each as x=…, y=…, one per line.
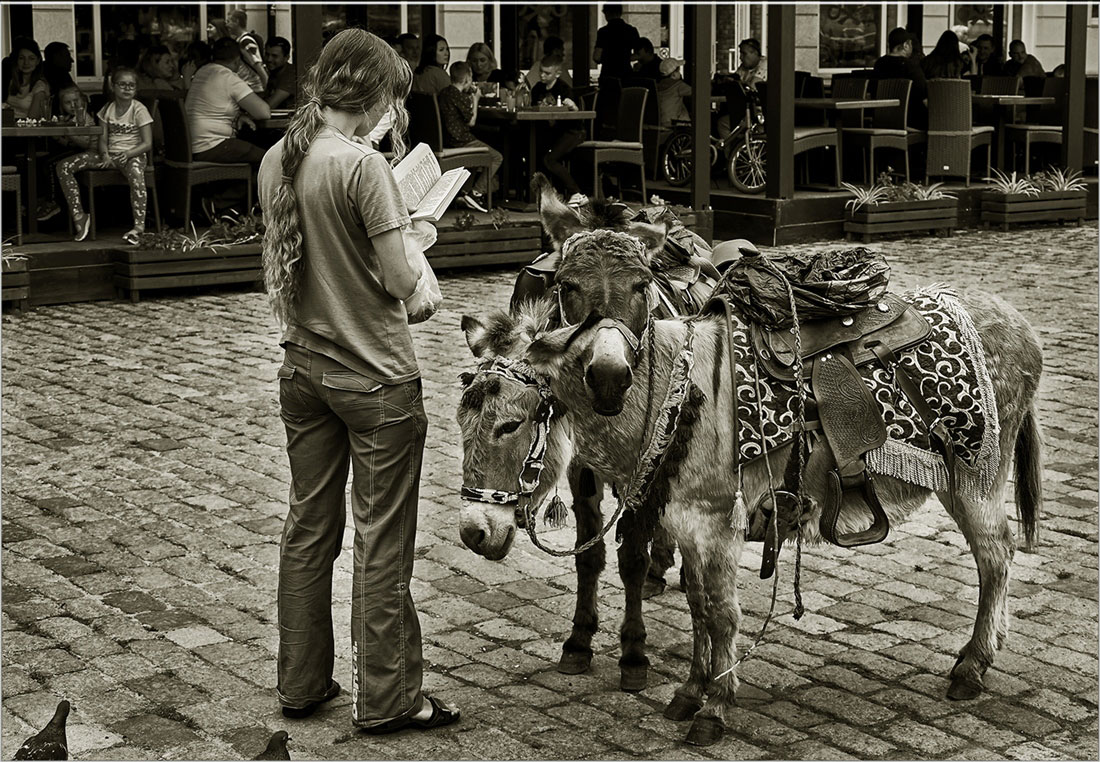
x=124, y=146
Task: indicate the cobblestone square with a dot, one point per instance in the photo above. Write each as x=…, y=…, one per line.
x=144, y=487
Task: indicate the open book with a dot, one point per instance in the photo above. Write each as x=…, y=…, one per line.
x=427, y=190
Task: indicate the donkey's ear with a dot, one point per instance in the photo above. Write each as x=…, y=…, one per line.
x=558, y=220
x=652, y=236
x=476, y=334
x=494, y=336
x=550, y=350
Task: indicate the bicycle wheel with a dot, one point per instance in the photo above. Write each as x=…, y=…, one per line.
x=676, y=159
x=748, y=165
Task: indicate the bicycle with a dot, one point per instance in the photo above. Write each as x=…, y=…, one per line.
x=744, y=150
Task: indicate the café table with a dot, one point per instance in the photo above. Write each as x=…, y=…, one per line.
x=531, y=118
x=1004, y=105
x=838, y=106
x=32, y=133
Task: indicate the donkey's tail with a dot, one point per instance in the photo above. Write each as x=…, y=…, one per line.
x=1029, y=477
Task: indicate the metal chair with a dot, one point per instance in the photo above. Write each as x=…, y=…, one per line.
x=180, y=171
x=426, y=126
x=9, y=181
x=1043, y=126
x=952, y=135
x=627, y=146
x=888, y=128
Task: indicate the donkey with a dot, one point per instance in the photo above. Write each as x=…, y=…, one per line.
x=593, y=365
x=585, y=488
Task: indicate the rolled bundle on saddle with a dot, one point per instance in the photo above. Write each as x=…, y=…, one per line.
x=818, y=317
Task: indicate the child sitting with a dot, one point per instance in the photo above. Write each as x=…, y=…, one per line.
x=458, y=110
x=123, y=146
x=563, y=138
x=671, y=89
x=73, y=104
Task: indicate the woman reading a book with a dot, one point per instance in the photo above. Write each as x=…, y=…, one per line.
x=349, y=388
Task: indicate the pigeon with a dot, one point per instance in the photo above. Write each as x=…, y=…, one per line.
x=50, y=743
x=276, y=747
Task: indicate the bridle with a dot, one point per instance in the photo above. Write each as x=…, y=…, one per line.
x=533, y=464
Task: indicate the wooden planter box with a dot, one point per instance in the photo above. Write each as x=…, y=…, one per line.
x=1006, y=209
x=513, y=243
x=137, y=270
x=869, y=220
x=16, y=283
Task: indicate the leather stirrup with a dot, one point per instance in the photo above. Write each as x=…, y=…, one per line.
x=840, y=489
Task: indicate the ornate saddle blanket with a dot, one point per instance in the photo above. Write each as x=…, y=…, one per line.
x=949, y=367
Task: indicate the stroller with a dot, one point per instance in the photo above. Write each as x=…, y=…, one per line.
x=743, y=152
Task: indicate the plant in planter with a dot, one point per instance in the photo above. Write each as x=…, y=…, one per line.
x=227, y=252
x=889, y=207
x=16, y=278
x=1053, y=195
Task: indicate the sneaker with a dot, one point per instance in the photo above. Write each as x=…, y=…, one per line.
x=470, y=200
x=577, y=199
x=209, y=210
x=300, y=713
x=47, y=211
x=83, y=227
x=133, y=237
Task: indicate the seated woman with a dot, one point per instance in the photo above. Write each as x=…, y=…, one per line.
x=28, y=92
x=431, y=74
x=158, y=70
x=483, y=64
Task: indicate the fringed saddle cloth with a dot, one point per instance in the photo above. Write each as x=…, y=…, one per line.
x=949, y=367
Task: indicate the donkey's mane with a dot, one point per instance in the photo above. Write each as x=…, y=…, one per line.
x=611, y=242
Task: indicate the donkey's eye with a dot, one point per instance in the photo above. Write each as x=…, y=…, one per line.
x=567, y=287
x=507, y=428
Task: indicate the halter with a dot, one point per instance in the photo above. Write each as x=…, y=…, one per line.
x=533, y=464
x=652, y=296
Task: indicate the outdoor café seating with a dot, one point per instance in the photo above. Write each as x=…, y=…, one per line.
x=888, y=128
x=426, y=126
x=9, y=182
x=627, y=146
x=111, y=177
x=1043, y=123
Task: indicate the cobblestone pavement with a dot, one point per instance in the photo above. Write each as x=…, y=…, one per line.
x=144, y=481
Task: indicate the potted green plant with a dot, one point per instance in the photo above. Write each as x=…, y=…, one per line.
x=230, y=251
x=16, y=278
x=888, y=207
x=1053, y=195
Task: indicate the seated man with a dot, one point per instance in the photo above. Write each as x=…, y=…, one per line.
x=561, y=137
x=647, y=64
x=217, y=103
x=458, y=109
x=899, y=64
x=1021, y=63
x=282, y=81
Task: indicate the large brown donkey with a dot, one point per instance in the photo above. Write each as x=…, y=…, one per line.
x=593, y=364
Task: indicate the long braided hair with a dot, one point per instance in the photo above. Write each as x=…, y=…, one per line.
x=355, y=72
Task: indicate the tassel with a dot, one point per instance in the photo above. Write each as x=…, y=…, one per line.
x=555, y=514
x=739, y=511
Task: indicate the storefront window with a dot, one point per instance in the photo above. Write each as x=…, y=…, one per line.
x=850, y=36
x=978, y=19
x=382, y=20
x=536, y=23
x=173, y=25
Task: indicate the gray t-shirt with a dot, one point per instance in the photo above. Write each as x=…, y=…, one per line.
x=346, y=194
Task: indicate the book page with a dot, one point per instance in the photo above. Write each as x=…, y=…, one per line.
x=416, y=174
x=435, y=202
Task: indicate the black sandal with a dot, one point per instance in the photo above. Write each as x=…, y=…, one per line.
x=442, y=714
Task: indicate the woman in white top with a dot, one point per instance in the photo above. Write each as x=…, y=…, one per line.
x=28, y=93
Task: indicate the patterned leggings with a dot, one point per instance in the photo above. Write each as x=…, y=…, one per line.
x=133, y=169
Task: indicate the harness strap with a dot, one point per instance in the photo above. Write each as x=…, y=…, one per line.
x=937, y=429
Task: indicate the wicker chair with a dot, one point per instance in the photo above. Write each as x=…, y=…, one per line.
x=627, y=146
x=952, y=136
x=852, y=89
x=426, y=126
x=888, y=128
x=1043, y=126
x=181, y=172
x=10, y=182
x=986, y=113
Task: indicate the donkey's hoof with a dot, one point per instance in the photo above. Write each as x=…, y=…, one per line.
x=705, y=731
x=632, y=677
x=680, y=708
x=574, y=662
x=964, y=688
